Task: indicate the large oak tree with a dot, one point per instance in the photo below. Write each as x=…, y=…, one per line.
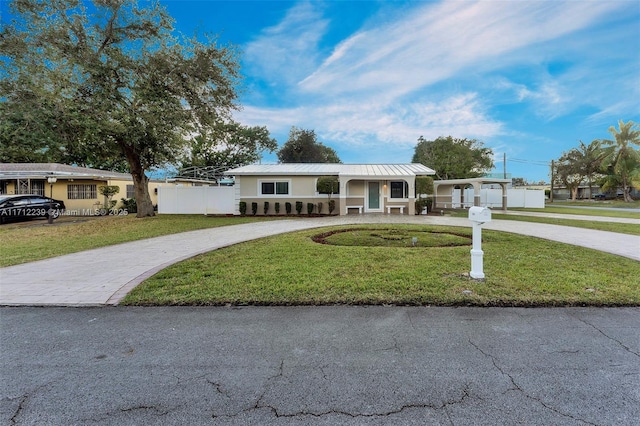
x=107, y=81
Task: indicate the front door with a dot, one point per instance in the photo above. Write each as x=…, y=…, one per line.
x=373, y=197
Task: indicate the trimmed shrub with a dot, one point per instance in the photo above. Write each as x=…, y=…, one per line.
x=277, y=207
x=319, y=208
x=129, y=204
x=266, y=207
x=243, y=207
x=420, y=205
x=287, y=207
x=310, y=207
x=299, y=206
x=254, y=208
x=332, y=206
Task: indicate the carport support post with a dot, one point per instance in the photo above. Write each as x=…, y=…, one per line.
x=477, y=254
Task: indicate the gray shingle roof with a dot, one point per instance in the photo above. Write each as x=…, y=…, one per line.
x=39, y=170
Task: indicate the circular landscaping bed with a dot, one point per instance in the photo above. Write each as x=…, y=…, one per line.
x=392, y=237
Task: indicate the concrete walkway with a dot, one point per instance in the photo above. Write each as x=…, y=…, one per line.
x=106, y=275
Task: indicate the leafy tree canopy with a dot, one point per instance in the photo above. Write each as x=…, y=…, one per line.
x=454, y=158
x=108, y=85
x=303, y=147
x=328, y=185
x=569, y=171
x=228, y=145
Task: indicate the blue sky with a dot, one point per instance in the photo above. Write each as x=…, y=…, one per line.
x=528, y=78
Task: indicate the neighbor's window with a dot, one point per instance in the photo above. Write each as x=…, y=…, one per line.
x=81, y=191
x=399, y=189
x=271, y=188
x=130, y=192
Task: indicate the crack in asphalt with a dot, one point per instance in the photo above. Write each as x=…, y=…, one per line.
x=23, y=399
x=146, y=407
x=465, y=395
x=625, y=347
x=517, y=387
x=261, y=406
x=218, y=387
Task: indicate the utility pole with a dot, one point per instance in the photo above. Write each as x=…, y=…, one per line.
x=504, y=165
x=552, y=179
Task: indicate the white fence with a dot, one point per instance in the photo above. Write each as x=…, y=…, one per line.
x=196, y=199
x=529, y=198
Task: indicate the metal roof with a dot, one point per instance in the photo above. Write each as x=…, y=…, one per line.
x=320, y=169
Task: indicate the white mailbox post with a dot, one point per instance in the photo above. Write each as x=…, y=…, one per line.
x=478, y=215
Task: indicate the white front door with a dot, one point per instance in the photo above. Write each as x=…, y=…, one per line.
x=374, y=198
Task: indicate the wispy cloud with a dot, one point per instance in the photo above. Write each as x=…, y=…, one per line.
x=287, y=51
x=436, y=41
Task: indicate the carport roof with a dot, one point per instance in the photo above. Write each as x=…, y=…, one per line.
x=319, y=169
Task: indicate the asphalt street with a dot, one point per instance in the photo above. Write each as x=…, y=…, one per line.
x=333, y=365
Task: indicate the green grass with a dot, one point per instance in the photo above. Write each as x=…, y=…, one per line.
x=622, y=228
x=584, y=212
x=35, y=240
x=292, y=269
x=593, y=203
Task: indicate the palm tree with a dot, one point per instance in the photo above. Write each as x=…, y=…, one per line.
x=622, y=159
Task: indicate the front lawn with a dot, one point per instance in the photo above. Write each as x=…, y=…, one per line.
x=34, y=240
x=357, y=267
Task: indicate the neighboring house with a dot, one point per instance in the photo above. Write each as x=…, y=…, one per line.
x=364, y=188
x=77, y=187
x=560, y=192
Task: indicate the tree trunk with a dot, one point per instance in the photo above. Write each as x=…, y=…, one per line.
x=574, y=193
x=140, y=183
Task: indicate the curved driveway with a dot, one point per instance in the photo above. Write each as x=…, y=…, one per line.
x=105, y=275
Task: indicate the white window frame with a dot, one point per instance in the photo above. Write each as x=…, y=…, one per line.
x=405, y=190
x=275, y=183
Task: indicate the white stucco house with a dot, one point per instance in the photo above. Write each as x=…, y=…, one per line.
x=363, y=188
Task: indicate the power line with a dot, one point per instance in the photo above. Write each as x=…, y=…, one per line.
x=533, y=162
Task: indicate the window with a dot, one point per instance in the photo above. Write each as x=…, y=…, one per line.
x=399, y=189
x=277, y=187
x=130, y=192
x=37, y=187
x=81, y=191
x=268, y=188
x=29, y=186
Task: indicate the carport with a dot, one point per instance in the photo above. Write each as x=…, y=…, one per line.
x=444, y=191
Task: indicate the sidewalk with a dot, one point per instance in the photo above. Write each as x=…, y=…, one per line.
x=104, y=276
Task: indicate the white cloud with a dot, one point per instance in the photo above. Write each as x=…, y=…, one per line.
x=289, y=50
x=377, y=125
